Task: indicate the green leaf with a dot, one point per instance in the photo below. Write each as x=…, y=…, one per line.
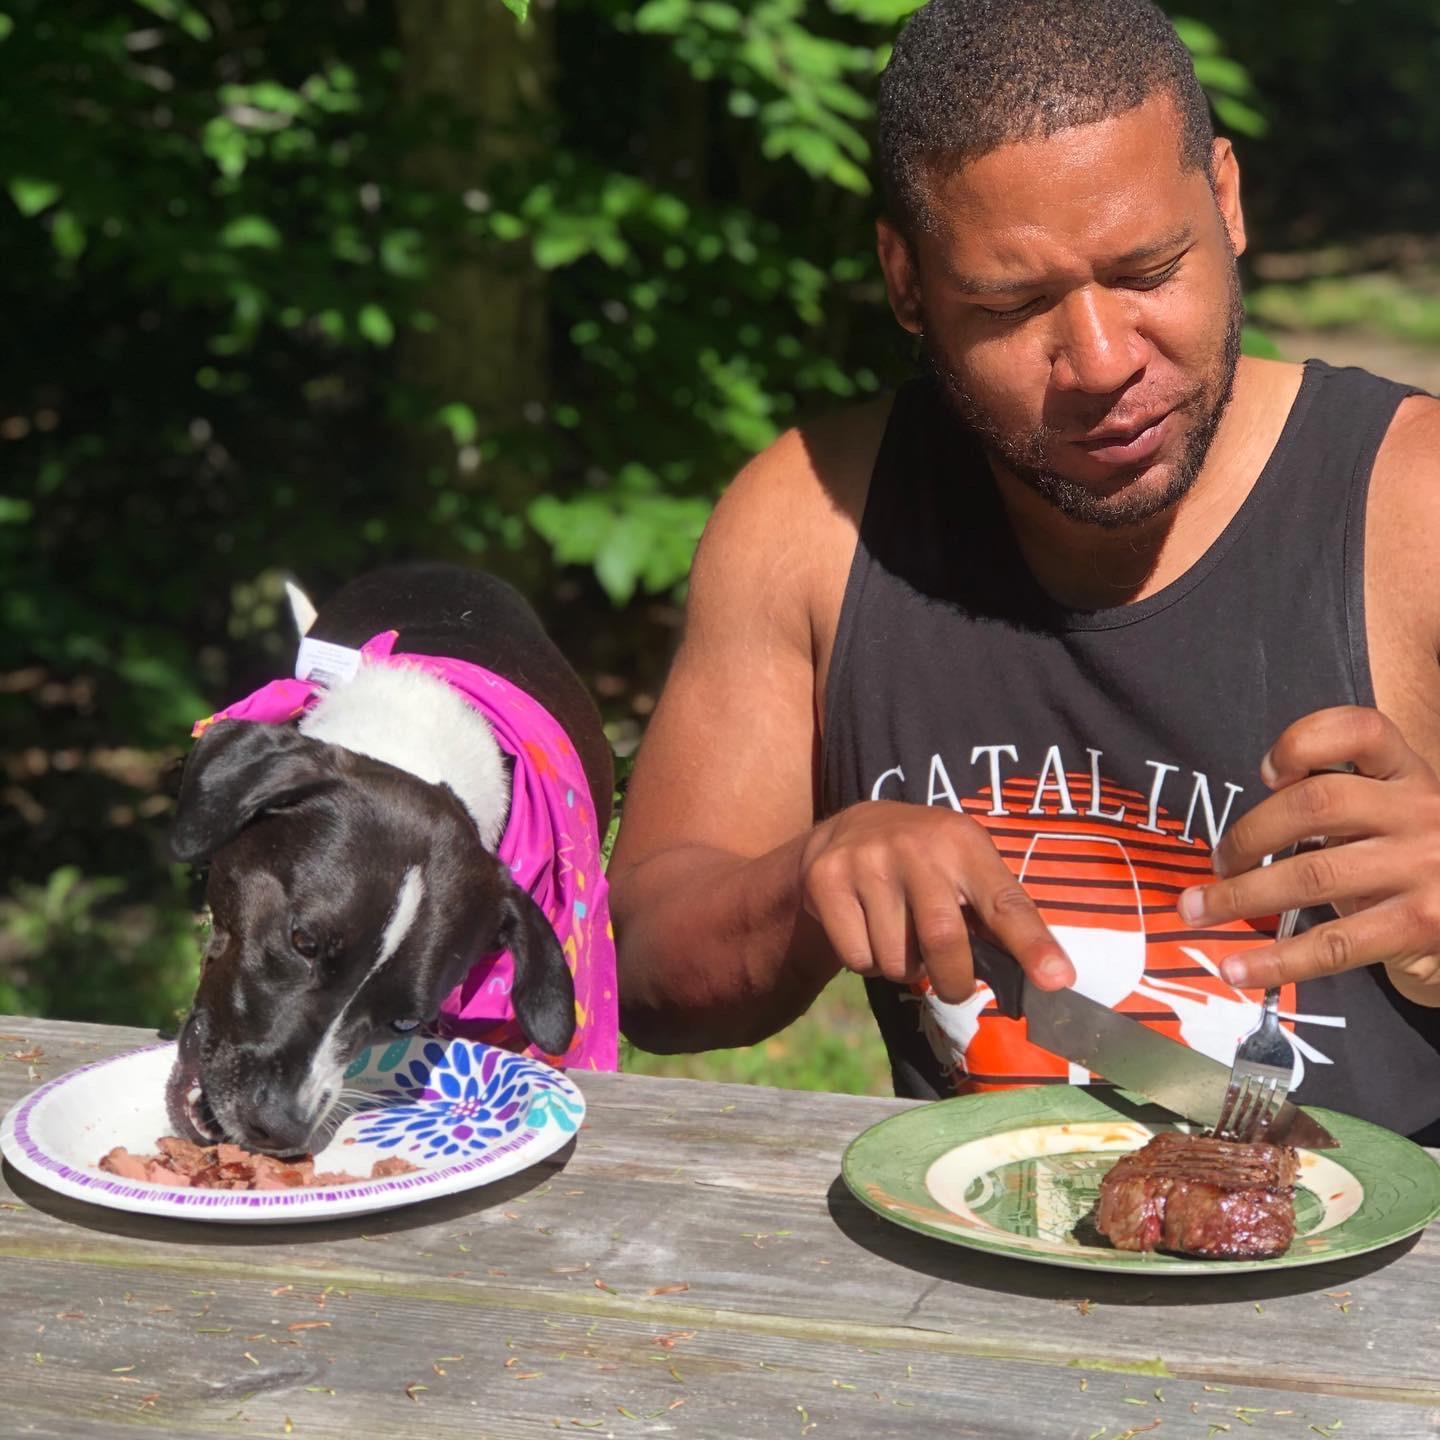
x=876, y=12
x=621, y=556
x=375, y=325
x=662, y=16
x=250, y=231
x=506, y=226
x=189, y=19
x=634, y=535
x=271, y=95
x=560, y=247
x=520, y=9
x=194, y=24
x=1257, y=342
x=1219, y=72
x=1197, y=37
x=459, y=419
x=669, y=212
x=717, y=16
x=1236, y=115
x=7, y=27
x=67, y=234
x=402, y=253
x=31, y=196
x=225, y=143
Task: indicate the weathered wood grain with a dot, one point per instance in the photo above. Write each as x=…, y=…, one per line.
x=205, y=1359
x=543, y=1284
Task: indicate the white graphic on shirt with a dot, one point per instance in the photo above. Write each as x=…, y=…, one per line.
x=1109, y=960
x=1216, y=1024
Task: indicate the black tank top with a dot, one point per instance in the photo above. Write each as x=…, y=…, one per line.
x=1107, y=750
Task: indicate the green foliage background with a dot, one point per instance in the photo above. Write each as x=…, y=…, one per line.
x=234, y=234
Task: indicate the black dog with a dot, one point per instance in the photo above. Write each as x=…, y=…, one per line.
x=352, y=889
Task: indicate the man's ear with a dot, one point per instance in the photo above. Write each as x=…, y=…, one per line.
x=237, y=770
x=544, y=991
x=902, y=281
x=1225, y=185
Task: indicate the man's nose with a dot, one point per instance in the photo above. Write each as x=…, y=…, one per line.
x=1098, y=349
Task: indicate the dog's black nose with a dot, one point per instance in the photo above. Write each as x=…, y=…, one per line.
x=276, y=1130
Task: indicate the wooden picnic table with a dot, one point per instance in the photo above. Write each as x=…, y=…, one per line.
x=693, y=1266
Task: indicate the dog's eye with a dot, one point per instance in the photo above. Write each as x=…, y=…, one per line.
x=404, y=1027
x=305, y=943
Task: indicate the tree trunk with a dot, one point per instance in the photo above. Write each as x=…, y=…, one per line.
x=488, y=348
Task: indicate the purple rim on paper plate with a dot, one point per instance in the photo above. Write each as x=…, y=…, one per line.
x=466, y=1113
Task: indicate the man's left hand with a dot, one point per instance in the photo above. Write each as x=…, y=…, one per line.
x=1380, y=871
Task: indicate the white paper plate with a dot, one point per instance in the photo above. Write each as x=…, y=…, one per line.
x=463, y=1112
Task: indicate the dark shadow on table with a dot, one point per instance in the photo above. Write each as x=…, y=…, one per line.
x=443, y=1210
x=928, y=1255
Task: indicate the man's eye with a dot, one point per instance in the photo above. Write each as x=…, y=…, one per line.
x=305, y=943
x=1150, y=281
x=1013, y=312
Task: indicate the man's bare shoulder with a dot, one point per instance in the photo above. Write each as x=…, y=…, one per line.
x=1407, y=469
x=816, y=470
x=788, y=521
x=1403, y=514
x=1413, y=432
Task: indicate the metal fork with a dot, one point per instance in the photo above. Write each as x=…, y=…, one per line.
x=1265, y=1058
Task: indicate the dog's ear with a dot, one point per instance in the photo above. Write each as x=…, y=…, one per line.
x=544, y=992
x=302, y=608
x=237, y=769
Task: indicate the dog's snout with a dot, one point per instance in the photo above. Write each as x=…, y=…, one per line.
x=275, y=1124
x=277, y=1133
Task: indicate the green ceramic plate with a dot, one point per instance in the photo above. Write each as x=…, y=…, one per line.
x=1017, y=1172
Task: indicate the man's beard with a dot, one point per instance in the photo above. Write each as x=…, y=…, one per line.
x=1024, y=456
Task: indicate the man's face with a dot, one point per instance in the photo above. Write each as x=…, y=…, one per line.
x=1078, y=303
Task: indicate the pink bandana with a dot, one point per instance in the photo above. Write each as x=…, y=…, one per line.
x=551, y=844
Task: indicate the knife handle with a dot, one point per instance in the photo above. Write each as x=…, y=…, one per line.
x=1000, y=970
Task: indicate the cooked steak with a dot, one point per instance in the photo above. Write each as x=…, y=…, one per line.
x=1197, y=1195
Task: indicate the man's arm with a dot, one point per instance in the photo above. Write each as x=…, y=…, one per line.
x=715, y=949
x=732, y=907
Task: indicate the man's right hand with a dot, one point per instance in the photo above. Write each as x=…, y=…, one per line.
x=897, y=888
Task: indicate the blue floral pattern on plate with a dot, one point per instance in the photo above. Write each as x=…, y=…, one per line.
x=457, y=1098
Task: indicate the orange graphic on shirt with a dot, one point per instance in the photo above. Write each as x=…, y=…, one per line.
x=1107, y=888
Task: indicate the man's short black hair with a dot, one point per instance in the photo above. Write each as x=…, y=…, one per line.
x=968, y=76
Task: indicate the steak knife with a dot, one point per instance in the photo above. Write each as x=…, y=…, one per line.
x=1126, y=1052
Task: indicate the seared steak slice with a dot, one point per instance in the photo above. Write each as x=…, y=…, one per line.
x=1200, y=1196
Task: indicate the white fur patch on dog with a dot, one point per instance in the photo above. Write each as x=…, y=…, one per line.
x=402, y=916
x=406, y=717
x=327, y=1067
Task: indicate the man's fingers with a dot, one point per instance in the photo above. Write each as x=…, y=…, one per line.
x=1332, y=875
x=943, y=937
x=1344, y=735
x=1336, y=806
x=894, y=897
x=837, y=907
x=1013, y=918
x=891, y=938
x=1378, y=935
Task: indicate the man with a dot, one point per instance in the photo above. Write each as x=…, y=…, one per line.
x=1067, y=640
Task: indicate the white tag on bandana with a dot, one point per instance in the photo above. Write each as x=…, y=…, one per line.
x=325, y=664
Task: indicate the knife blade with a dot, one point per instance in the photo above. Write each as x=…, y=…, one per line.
x=1126, y=1052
